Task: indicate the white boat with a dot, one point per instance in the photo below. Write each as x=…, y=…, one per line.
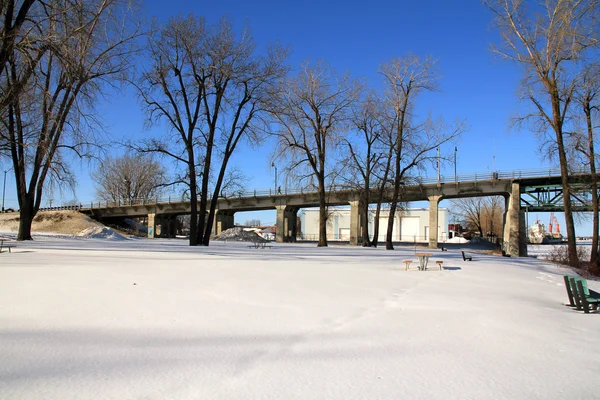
x=537, y=234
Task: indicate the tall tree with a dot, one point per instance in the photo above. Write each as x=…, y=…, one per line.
x=364, y=161
x=587, y=98
x=13, y=14
x=211, y=87
x=411, y=143
x=312, y=109
x=128, y=178
x=548, y=39
x=88, y=45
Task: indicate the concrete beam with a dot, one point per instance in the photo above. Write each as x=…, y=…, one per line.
x=515, y=238
x=223, y=220
x=356, y=222
x=433, y=221
x=286, y=224
x=151, y=225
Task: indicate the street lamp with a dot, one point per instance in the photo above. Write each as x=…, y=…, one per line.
x=274, y=166
x=439, y=166
x=4, y=188
x=455, y=176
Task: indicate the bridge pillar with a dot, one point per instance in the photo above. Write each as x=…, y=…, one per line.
x=515, y=237
x=286, y=224
x=433, y=221
x=223, y=221
x=356, y=222
x=151, y=225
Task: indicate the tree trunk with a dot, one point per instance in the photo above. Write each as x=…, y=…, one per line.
x=26, y=214
x=564, y=173
x=594, y=256
x=322, y=214
x=390, y=227
x=376, y=225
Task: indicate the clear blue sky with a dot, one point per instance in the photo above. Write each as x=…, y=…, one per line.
x=357, y=37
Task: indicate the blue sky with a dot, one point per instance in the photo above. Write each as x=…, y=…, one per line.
x=357, y=37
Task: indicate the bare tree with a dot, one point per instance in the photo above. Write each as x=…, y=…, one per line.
x=410, y=143
x=90, y=47
x=253, y=223
x=312, y=109
x=13, y=15
x=367, y=162
x=127, y=178
x=211, y=87
x=548, y=39
x=481, y=214
x=587, y=97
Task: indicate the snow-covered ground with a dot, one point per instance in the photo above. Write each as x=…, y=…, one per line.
x=155, y=319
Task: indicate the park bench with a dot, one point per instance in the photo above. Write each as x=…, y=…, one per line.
x=407, y=264
x=4, y=245
x=580, y=295
x=466, y=257
x=439, y=263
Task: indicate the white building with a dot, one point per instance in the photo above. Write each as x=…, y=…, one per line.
x=409, y=225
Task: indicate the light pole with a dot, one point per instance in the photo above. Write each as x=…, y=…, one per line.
x=455, y=176
x=274, y=166
x=4, y=188
x=439, y=167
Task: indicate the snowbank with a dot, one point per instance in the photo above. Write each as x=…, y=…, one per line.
x=100, y=232
x=238, y=234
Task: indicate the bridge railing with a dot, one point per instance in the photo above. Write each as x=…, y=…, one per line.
x=409, y=181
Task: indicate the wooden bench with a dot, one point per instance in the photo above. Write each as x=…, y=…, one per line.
x=439, y=263
x=407, y=262
x=466, y=257
x=584, y=298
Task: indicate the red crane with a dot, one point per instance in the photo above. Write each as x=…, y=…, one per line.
x=553, y=223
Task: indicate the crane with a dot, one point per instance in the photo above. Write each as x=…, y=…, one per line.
x=553, y=223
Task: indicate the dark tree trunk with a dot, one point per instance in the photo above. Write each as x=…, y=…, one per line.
x=594, y=256
x=26, y=215
x=322, y=213
x=564, y=172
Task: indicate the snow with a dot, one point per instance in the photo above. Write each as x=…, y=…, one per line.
x=238, y=234
x=156, y=319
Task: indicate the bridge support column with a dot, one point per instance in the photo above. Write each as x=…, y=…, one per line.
x=515, y=237
x=433, y=221
x=152, y=225
x=356, y=222
x=286, y=224
x=223, y=221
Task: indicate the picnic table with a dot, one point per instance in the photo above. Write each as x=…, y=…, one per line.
x=4, y=245
x=423, y=260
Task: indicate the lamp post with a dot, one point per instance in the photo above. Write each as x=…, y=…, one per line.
x=439, y=167
x=4, y=188
x=455, y=176
x=274, y=166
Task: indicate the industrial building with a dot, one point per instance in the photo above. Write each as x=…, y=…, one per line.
x=410, y=225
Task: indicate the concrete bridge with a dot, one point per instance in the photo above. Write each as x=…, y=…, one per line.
x=522, y=190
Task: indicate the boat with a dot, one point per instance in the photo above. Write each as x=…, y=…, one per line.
x=537, y=233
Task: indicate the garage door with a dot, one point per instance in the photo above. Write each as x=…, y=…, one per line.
x=409, y=228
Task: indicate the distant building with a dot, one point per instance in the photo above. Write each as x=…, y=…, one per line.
x=409, y=225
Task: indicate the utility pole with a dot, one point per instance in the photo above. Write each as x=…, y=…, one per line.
x=274, y=166
x=4, y=188
x=439, y=167
x=455, y=176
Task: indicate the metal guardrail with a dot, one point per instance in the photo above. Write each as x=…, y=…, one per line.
x=445, y=179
